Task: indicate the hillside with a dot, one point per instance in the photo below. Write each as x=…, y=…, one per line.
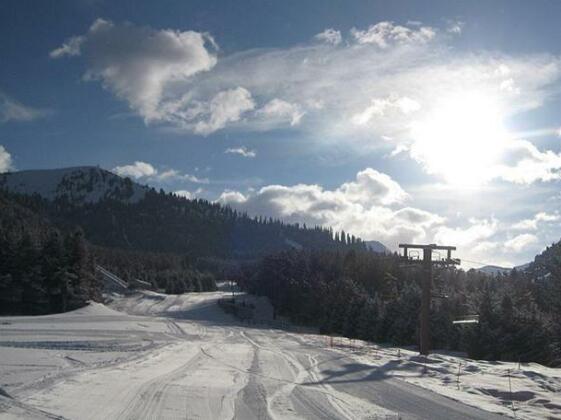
x=549, y=261
x=377, y=247
x=116, y=212
x=174, y=244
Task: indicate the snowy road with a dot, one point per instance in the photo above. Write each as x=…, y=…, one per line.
x=177, y=357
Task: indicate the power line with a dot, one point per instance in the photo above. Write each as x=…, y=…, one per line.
x=476, y=262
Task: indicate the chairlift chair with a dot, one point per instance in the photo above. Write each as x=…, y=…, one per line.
x=414, y=255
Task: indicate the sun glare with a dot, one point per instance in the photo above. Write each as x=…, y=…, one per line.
x=461, y=138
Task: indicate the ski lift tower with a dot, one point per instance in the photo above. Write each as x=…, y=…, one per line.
x=427, y=263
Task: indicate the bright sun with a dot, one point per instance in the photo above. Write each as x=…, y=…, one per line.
x=461, y=138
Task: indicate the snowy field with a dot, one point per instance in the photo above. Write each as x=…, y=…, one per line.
x=153, y=356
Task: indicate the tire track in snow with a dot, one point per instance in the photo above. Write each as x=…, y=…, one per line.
x=11, y=408
x=251, y=401
x=175, y=329
x=147, y=402
x=281, y=402
x=343, y=405
x=178, y=394
x=108, y=387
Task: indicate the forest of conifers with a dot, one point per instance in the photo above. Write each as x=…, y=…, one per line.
x=42, y=270
x=48, y=251
x=174, y=244
x=368, y=296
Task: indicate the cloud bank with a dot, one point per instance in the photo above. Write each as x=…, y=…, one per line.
x=367, y=86
x=175, y=77
x=371, y=206
x=374, y=206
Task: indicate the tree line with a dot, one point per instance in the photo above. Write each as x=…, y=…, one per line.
x=360, y=294
x=42, y=270
x=174, y=244
x=166, y=223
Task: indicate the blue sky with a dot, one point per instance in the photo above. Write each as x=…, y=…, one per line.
x=397, y=121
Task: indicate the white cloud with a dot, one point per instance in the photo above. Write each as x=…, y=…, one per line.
x=455, y=27
x=386, y=34
x=360, y=207
x=175, y=175
x=195, y=179
x=188, y=194
x=232, y=198
x=12, y=110
x=184, y=193
x=524, y=163
x=225, y=107
x=165, y=175
x=373, y=187
x=381, y=106
x=70, y=47
x=137, y=170
x=242, y=151
x=333, y=85
x=144, y=170
x=532, y=224
x=509, y=85
x=354, y=92
x=399, y=149
x=5, y=160
x=371, y=207
x=279, y=111
x=329, y=36
x=138, y=64
x=477, y=232
x=520, y=242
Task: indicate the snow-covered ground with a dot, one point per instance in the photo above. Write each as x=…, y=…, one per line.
x=150, y=355
x=527, y=391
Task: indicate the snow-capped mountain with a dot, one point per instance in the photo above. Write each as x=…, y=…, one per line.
x=84, y=184
x=495, y=269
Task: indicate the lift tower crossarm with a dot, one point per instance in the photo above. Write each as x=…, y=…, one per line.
x=432, y=246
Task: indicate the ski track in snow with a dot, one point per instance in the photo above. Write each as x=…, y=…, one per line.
x=153, y=356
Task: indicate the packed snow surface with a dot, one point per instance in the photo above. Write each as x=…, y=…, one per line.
x=150, y=355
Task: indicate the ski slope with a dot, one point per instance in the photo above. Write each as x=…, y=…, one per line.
x=156, y=356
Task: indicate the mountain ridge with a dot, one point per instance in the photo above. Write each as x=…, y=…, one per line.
x=116, y=212
x=378, y=247
x=496, y=269
x=77, y=184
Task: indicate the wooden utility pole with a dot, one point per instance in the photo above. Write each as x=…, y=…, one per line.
x=426, y=296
